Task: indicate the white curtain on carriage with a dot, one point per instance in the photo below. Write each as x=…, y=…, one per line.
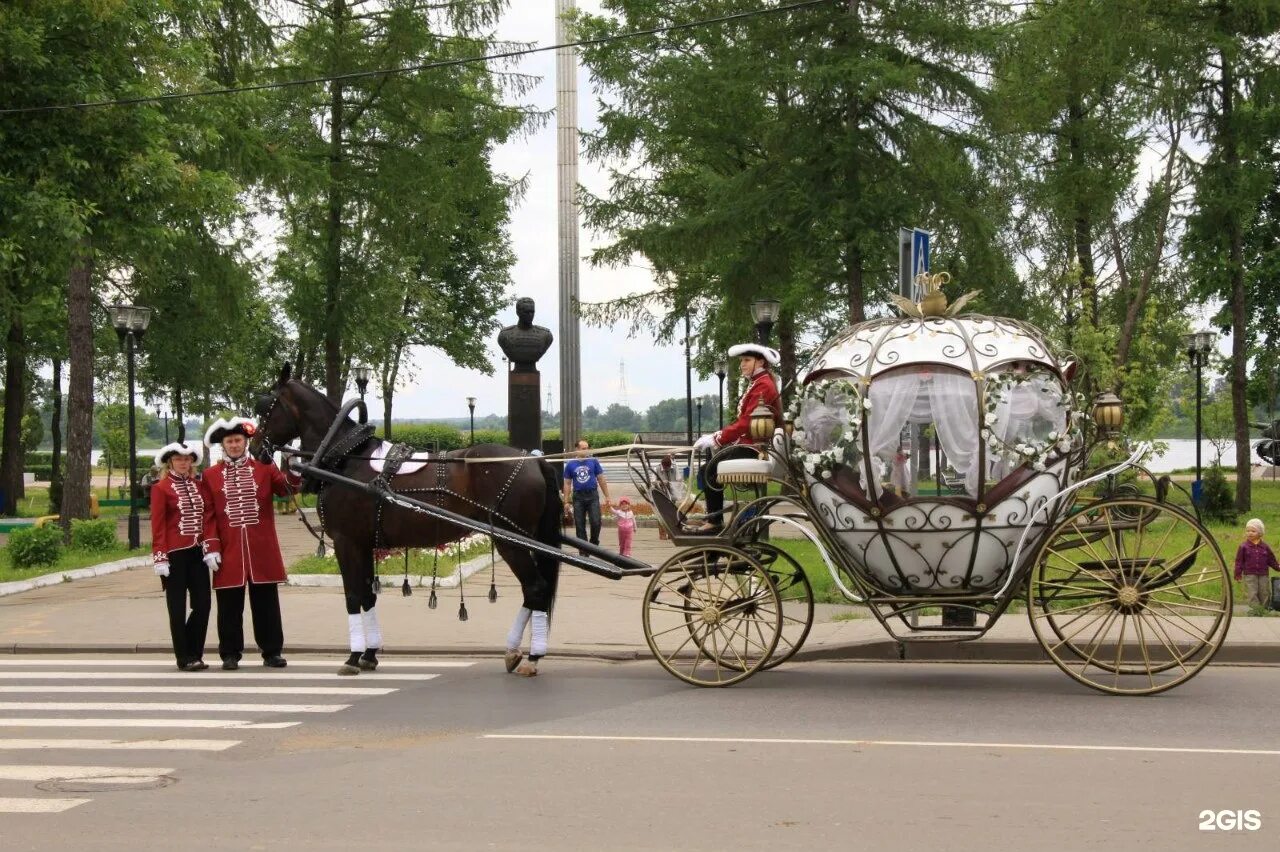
x=947, y=399
x=1027, y=412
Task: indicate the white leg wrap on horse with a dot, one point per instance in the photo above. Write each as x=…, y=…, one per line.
x=538, y=644
x=372, y=632
x=355, y=628
x=516, y=634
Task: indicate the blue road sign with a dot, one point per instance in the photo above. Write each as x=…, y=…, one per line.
x=913, y=247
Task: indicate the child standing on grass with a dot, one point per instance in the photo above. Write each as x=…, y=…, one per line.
x=626, y=525
x=1253, y=558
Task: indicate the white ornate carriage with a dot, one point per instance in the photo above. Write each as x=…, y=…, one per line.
x=1127, y=592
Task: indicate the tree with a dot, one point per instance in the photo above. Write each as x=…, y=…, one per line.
x=100, y=191
x=779, y=154
x=393, y=216
x=1232, y=47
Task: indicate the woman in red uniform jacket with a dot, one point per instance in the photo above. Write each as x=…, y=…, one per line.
x=754, y=361
x=180, y=507
x=241, y=545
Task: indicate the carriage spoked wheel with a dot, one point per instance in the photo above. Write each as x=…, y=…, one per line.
x=712, y=615
x=796, y=594
x=1130, y=596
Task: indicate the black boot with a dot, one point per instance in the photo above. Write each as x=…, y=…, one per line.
x=369, y=660
x=275, y=661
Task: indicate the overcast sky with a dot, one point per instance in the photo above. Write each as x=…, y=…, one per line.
x=440, y=389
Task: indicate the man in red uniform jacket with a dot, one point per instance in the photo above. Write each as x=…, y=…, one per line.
x=240, y=543
x=754, y=361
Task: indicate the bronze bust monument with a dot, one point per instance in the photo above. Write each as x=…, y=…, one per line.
x=524, y=343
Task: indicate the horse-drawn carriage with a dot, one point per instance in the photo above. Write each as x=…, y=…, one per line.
x=1125, y=590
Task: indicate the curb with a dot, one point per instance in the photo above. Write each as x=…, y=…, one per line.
x=876, y=651
x=390, y=582
x=17, y=586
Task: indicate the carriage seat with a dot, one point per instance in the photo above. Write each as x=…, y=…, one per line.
x=745, y=471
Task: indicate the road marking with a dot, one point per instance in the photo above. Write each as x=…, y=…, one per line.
x=264, y=675
x=170, y=707
x=17, y=772
x=121, y=745
x=382, y=664
x=141, y=723
x=39, y=806
x=924, y=744
x=205, y=690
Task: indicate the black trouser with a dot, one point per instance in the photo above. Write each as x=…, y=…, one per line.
x=586, y=504
x=187, y=574
x=264, y=601
x=713, y=492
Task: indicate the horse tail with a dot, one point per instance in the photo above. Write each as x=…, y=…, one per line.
x=549, y=533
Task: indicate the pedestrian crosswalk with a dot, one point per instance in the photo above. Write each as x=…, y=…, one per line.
x=42, y=697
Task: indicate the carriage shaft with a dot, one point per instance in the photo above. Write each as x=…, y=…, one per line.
x=610, y=565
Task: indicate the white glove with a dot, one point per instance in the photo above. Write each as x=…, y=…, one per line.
x=706, y=442
x=162, y=569
x=214, y=561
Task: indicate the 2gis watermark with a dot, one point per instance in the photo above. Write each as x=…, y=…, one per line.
x=1230, y=820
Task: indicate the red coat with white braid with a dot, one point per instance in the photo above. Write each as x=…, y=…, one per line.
x=762, y=389
x=242, y=526
x=180, y=510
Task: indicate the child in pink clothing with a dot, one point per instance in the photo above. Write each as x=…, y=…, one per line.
x=626, y=525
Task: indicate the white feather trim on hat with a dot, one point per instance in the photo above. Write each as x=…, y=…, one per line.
x=766, y=352
x=179, y=448
x=218, y=429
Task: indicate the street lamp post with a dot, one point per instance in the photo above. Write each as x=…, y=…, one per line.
x=471, y=405
x=130, y=323
x=361, y=375
x=721, y=372
x=164, y=415
x=1199, y=345
x=764, y=312
x=699, y=417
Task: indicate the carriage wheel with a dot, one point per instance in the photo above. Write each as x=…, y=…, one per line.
x=712, y=615
x=796, y=594
x=1130, y=596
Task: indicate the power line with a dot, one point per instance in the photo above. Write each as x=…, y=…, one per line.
x=426, y=66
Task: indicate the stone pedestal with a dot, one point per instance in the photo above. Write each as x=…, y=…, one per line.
x=524, y=409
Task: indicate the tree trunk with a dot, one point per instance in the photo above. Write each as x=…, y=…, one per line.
x=12, y=459
x=390, y=373
x=855, y=292
x=76, y=484
x=178, y=413
x=1082, y=225
x=787, y=349
x=55, y=424
x=1239, y=298
x=333, y=228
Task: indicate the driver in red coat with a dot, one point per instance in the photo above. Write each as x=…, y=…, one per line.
x=240, y=543
x=754, y=361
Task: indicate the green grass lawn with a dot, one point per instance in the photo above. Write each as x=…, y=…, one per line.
x=420, y=561
x=71, y=559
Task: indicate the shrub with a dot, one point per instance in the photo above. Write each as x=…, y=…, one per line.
x=609, y=437
x=93, y=536
x=42, y=472
x=31, y=548
x=39, y=458
x=1217, y=497
x=491, y=436
x=428, y=436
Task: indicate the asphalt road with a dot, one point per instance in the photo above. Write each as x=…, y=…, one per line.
x=622, y=756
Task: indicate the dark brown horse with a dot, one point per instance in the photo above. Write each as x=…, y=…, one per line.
x=521, y=496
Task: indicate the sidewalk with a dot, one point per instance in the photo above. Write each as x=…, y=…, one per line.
x=594, y=617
